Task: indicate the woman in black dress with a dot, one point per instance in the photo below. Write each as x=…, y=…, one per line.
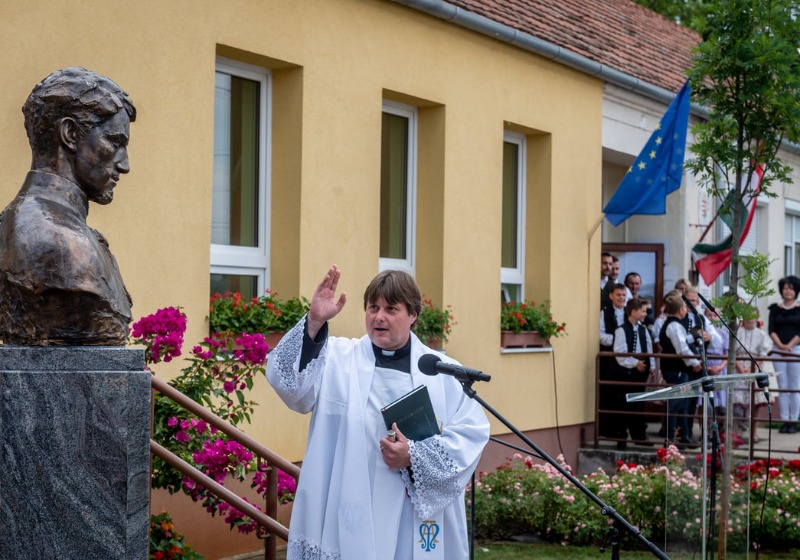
x=784, y=329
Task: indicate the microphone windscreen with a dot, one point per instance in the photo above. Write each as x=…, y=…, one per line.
x=427, y=363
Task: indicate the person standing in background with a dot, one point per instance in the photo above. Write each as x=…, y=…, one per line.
x=677, y=370
x=784, y=330
x=633, y=337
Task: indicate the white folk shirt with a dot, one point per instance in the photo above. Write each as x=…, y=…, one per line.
x=639, y=347
x=341, y=512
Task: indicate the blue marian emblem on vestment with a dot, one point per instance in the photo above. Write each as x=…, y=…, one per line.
x=428, y=530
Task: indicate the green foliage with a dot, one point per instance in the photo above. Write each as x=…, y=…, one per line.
x=746, y=72
x=218, y=375
x=756, y=282
x=433, y=323
x=486, y=550
x=663, y=501
x=684, y=12
x=230, y=312
x=527, y=316
x=165, y=543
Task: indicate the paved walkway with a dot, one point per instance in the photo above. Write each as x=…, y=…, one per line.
x=782, y=446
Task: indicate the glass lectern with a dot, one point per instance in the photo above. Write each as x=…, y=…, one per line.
x=704, y=388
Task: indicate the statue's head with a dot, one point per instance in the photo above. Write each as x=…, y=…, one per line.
x=78, y=122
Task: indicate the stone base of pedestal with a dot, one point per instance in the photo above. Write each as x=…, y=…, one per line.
x=74, y=453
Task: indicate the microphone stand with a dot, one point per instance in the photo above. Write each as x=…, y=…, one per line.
x=762, y=382
x=619, y=521
x=712, y=436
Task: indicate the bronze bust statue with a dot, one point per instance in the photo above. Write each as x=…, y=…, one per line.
x=59, y=282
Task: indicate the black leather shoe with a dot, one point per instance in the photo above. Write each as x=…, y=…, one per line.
x=792, y=429
x=784, y=428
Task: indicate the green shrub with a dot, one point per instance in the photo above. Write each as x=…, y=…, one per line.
x=165, y=543
x=230, y=312
x=664, y=501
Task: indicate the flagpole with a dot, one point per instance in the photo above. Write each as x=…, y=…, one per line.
x=589, y=267
x=595, y=226
x=708, y=227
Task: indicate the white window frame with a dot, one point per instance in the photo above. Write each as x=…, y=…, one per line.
x=251, y=261
x=516, y=275
x=409, y=112
x=791, y=235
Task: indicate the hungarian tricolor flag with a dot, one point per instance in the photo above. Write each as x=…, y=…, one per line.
x=710, y=260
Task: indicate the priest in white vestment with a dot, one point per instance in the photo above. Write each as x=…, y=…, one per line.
x=362, y=496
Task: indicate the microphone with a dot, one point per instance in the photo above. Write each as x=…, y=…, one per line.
x=762, y=381
x=708, y=304
x=430, y=364
x=689, y=304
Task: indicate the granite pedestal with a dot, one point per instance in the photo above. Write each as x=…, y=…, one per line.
x=74, y=453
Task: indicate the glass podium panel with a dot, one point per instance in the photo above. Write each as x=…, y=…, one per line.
x=695, y=479
x=696, y=388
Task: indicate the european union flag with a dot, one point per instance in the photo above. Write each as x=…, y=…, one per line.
x=658, y=169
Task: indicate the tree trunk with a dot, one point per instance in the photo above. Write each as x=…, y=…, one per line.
x=733, y=287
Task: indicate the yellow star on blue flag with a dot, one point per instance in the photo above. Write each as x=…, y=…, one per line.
x=658, y=169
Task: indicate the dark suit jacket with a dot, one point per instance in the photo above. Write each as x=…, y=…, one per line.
x=59, y=282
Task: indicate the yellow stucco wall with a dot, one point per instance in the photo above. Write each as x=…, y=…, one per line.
x=333, y=62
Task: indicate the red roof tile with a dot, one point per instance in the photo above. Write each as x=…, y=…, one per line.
x=617, y=33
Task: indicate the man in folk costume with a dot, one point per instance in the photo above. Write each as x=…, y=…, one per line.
x=700, y=331
x=678, y=369
x=362, y=495
x=611, y=317
x=633, y=337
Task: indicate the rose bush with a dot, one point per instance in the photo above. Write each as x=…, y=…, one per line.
x=663, y=501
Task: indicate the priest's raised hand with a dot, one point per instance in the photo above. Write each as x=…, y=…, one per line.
x=324, y=305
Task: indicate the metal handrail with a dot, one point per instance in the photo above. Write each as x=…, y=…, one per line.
x=774, y=356
x=219, y=490
x=235, y=433
x=264, y=520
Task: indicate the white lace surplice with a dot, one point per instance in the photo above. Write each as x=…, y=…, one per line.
x=343, y=475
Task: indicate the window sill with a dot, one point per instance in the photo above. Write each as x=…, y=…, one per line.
x=540, y=350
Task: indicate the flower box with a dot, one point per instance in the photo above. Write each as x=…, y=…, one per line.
x=230, y=312
x=528, y=325
x=524, y=339
x=272, y=339
x=433, y=324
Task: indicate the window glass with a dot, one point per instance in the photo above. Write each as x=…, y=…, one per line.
x=512, y=250
x=239, y=253
x=510, y=204
x=245, y=285
x=398, y=186
x=394, y=186
x=234, y=218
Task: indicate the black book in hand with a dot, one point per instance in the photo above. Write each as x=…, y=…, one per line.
x=413, y=413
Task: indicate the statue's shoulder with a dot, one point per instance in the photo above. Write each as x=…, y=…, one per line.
x=41, y=236
x=40, y=222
